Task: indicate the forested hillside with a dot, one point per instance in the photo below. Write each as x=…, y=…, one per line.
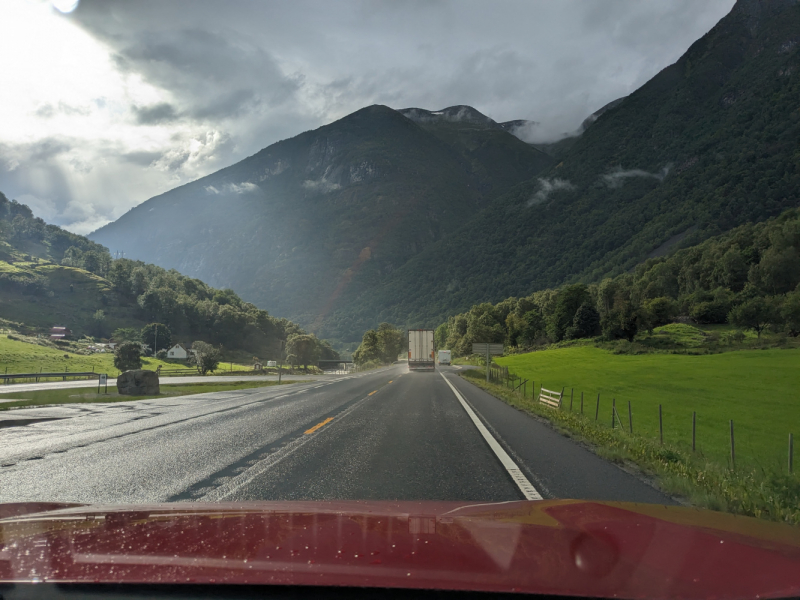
x=50, y=277
x=711, y=142
x=748, y=277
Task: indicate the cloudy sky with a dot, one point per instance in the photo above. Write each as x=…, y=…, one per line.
x=107, y=103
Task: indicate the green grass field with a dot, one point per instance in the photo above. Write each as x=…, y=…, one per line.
x=758, y=389
x=22, y=357
x=89, y=394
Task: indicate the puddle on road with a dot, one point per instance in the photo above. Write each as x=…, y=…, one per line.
x=23, y=422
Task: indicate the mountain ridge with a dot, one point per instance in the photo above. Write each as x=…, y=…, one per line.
x=341, y=205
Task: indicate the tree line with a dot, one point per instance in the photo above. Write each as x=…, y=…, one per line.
x=748, y=277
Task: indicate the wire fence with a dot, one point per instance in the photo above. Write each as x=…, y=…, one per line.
x=620, y=417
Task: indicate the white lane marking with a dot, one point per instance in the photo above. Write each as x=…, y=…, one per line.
x=525, y=486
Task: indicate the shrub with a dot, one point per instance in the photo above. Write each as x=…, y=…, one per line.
x=128, y=356
x=205, y=356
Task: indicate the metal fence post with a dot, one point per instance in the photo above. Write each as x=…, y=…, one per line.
x=630, y=417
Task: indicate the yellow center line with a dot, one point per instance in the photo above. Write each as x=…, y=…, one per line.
x=390, y=381
x=370, y=394
x=318, y=425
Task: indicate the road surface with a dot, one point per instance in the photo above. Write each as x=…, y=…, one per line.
x=385, y=434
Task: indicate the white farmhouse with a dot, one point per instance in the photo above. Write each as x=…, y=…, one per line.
x=178, y=351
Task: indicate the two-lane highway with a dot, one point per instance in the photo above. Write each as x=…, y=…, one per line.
x=385, y=434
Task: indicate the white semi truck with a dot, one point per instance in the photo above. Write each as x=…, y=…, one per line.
x=444, y=357
x=421, y=351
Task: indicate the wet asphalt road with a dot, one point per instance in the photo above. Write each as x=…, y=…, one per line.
x=386, y=434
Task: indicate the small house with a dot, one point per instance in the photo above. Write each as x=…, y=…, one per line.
x=178, y=352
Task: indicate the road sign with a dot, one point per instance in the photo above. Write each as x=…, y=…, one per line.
x=103, y=378
x=493, y=349
x=485, y=349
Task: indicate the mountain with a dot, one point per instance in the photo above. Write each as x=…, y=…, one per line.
x=709, y=143
x=331, y=210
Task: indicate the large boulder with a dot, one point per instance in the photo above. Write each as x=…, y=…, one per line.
x=138, y=383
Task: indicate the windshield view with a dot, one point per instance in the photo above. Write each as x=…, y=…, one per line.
x=410, y=297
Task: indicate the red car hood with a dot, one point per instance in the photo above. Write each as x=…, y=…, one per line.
x=601, y=549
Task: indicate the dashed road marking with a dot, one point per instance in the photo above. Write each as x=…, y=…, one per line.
x=370, y=394
x=318, y=425
x=525, y=486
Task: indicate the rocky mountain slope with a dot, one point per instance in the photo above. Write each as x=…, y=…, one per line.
x=331, y=210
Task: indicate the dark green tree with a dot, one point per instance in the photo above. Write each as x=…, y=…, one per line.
x=303, y=349
x=391, y=342
x=368, y=350
x=756, y=314
x=440, y=336
x=622, y=322
x=126, y=334
x=660, y=310
x=586, y=322
x=128, y=356
x=157, y=336
x=533, y=326
x=569, y=300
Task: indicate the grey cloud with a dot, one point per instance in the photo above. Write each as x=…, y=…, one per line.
x=212, y=74
x=48, y=110
x=155, y=114
x=142, y=159
x=199, y=152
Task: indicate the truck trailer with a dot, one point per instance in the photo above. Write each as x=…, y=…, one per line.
x=421, y=351
x=444, y=357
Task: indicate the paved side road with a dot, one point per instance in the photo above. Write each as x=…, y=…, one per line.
x=386, y=434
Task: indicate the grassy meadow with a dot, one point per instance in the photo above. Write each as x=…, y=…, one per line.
x=24, y=357
x=758, y=389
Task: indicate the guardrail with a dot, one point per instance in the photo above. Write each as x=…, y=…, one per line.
x=9, y=377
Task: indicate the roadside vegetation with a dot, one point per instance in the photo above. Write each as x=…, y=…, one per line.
x=379, y=347
x=757, y=492
x=90, y=395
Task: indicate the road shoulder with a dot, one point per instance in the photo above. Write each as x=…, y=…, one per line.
x=559, y=467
